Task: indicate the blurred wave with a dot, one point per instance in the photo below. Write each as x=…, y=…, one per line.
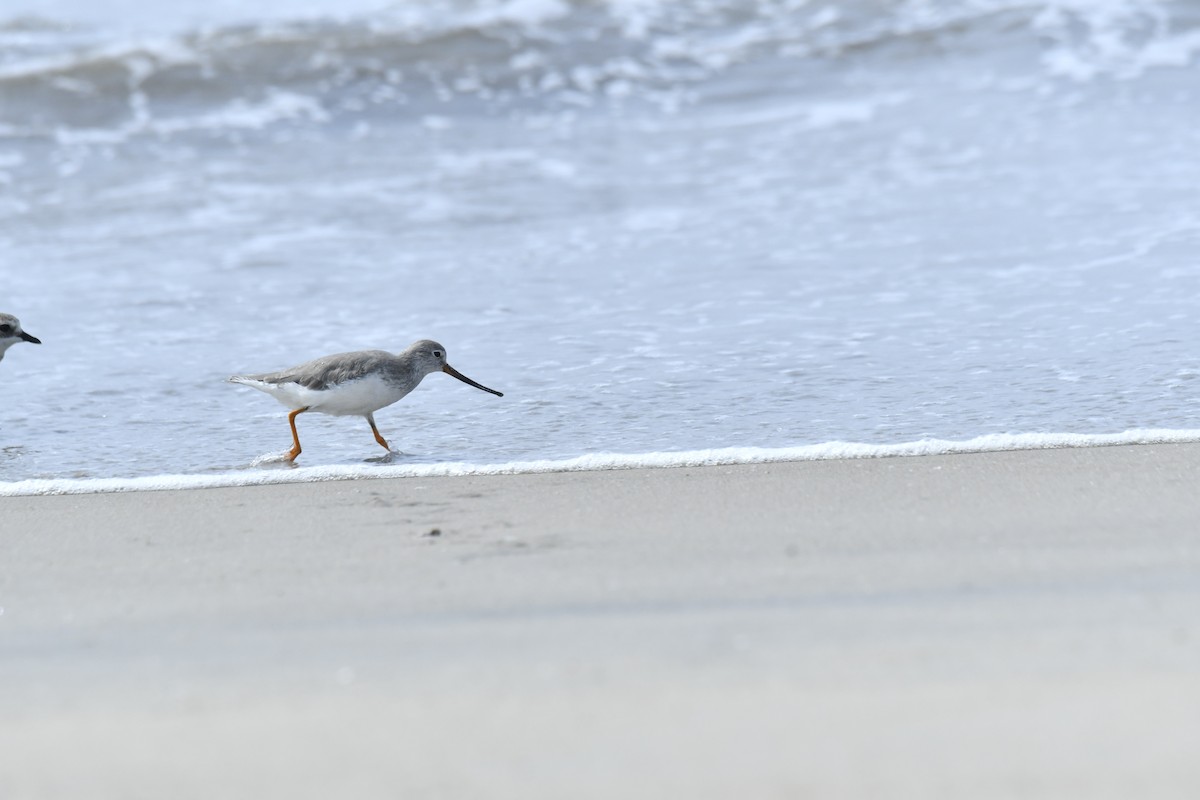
x=62, y=80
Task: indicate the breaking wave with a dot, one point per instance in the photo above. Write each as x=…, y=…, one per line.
x=62, y=81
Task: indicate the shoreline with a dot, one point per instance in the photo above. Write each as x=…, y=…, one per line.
x=992, y=624
x=601, y=462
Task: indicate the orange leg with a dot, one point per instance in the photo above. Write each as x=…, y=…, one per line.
x=378, y=438
x=295, y=436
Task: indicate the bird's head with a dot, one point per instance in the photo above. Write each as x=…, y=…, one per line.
x=429, y=356
x=11, y=333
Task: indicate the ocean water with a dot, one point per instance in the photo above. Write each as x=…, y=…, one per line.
x=731, y=227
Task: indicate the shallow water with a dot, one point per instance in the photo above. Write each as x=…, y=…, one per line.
x=656, y=229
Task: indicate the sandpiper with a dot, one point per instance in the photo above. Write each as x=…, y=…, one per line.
x=353, y=384
x=11, y=333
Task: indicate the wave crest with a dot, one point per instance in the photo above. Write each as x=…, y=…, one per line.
x=575, y=53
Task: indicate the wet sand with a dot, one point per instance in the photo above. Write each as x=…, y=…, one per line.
x=990, y=625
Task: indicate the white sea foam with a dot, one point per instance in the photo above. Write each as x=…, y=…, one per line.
x=1120, y=38
x=594, y=462
x=277, y=106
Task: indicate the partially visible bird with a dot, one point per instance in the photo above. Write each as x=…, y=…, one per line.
x=11, y=333
x=353, y=384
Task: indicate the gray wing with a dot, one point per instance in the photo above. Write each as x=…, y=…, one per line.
x=321, y=373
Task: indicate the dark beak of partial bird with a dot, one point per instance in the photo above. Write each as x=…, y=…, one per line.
x=449, y=370
x=31, y=339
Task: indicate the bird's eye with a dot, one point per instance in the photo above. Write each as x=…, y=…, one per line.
x=438, y=354
x=6, y=328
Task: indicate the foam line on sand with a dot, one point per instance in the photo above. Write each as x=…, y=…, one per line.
x=602, y=461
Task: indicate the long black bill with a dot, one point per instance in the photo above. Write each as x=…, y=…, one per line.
x=449, y=370
x=31, y=339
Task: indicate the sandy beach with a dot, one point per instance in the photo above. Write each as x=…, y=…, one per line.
x=1017, y=624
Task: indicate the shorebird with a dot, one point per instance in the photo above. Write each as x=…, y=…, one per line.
x=11, y=333
x=353, y=384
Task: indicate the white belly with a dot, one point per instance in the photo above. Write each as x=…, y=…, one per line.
x=359, y=397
